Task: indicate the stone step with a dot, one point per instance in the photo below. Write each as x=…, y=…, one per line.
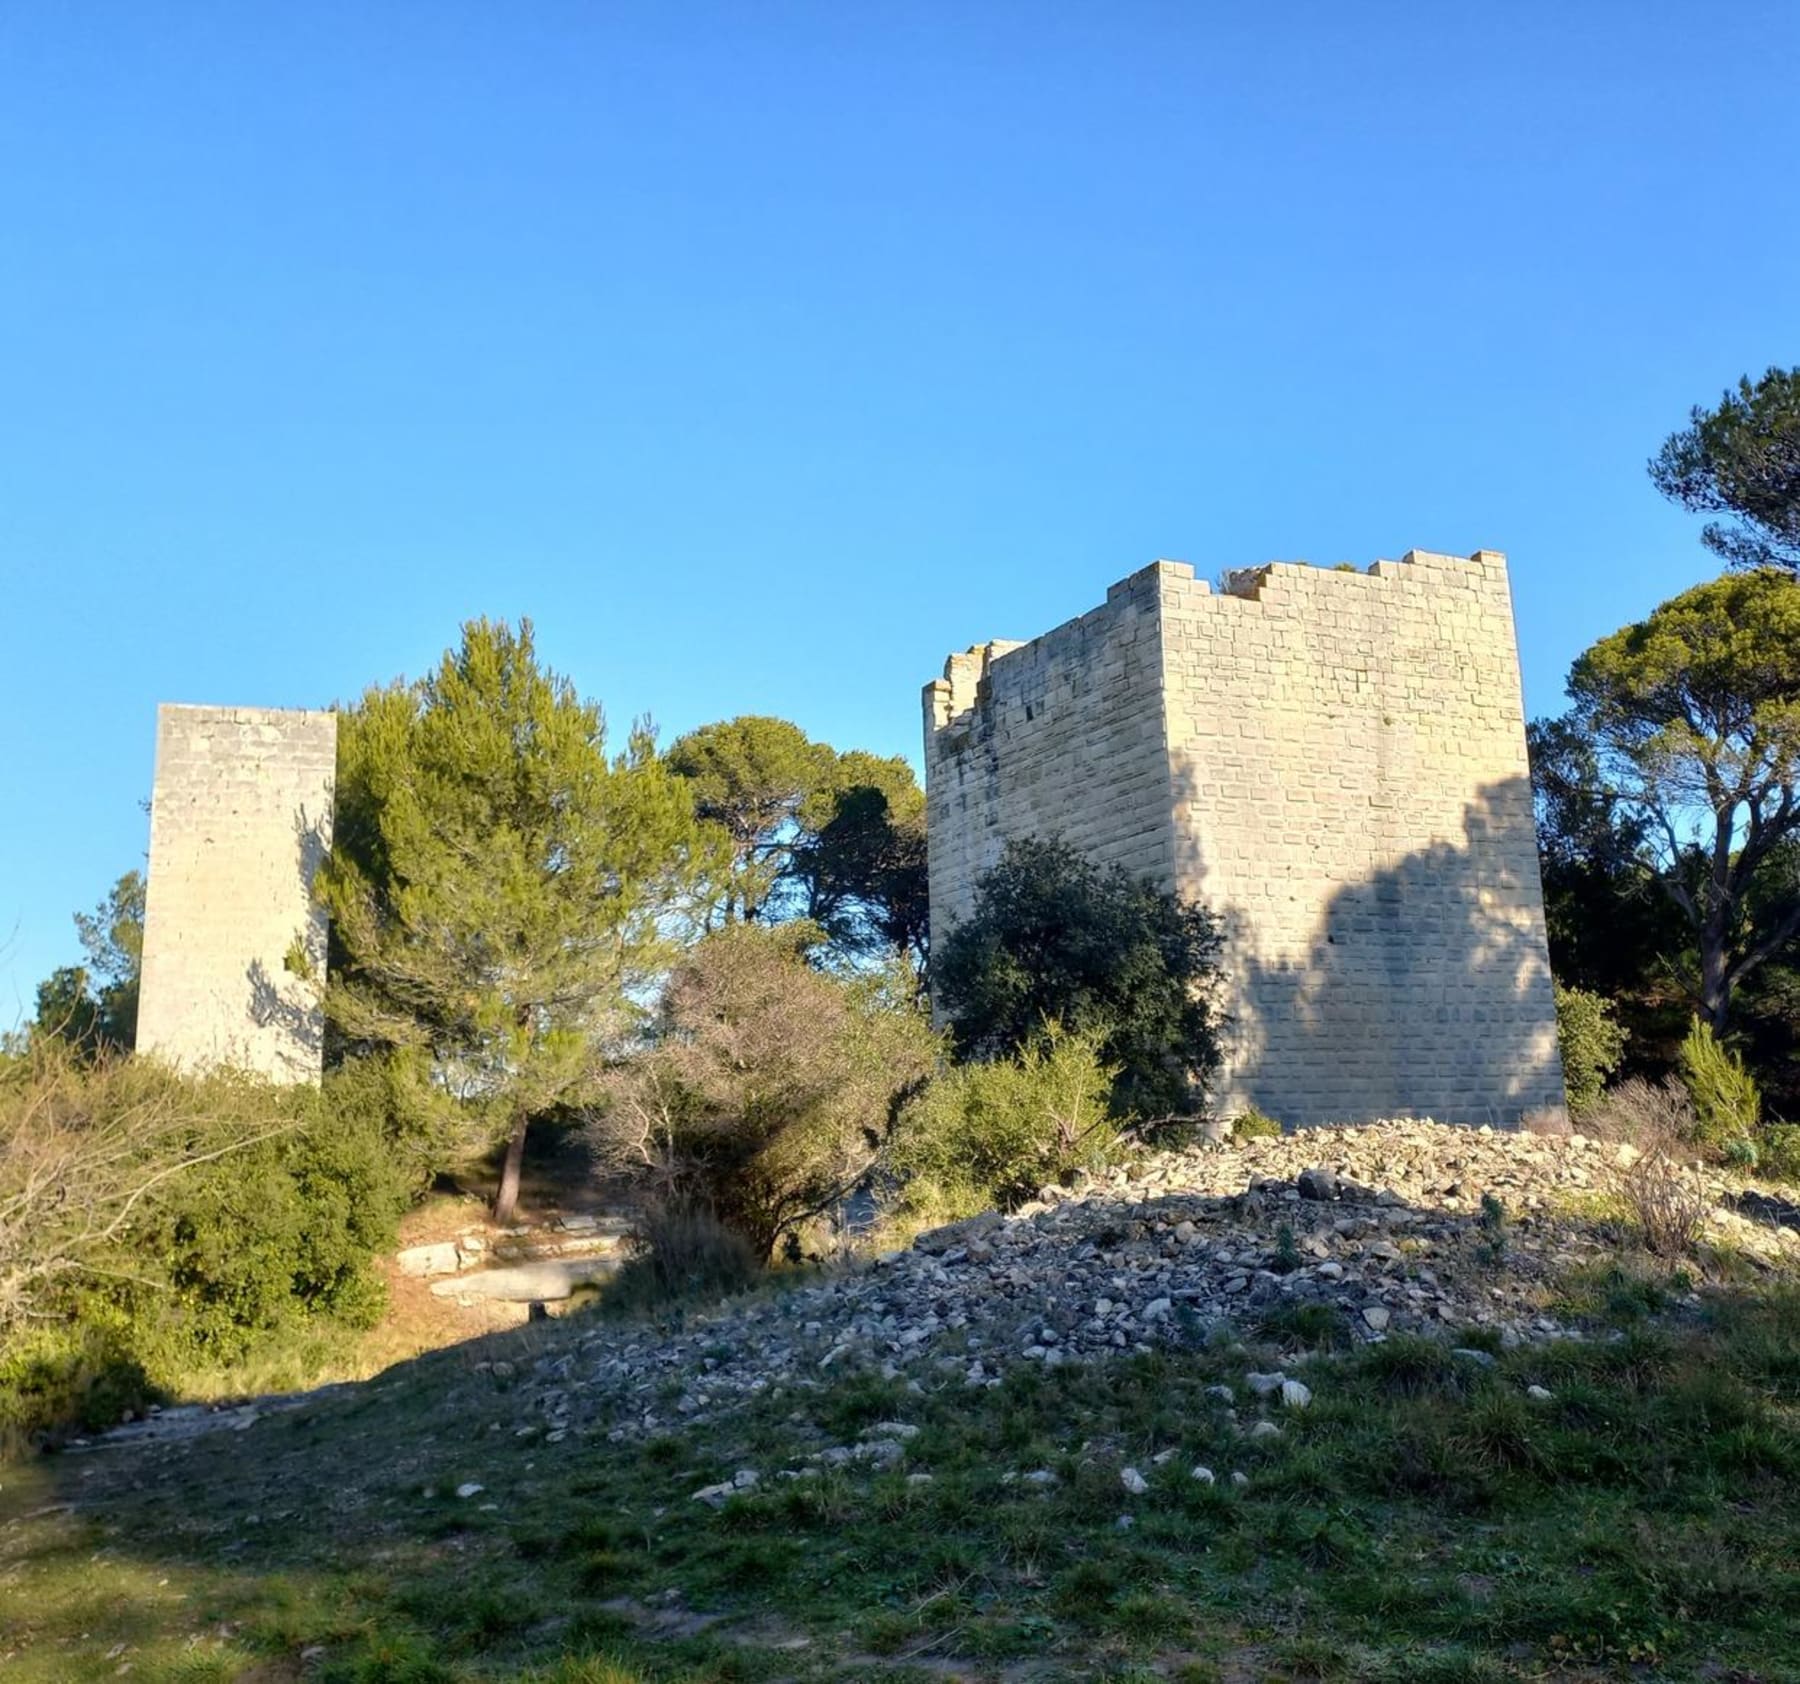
x=542, y=1281
x=571, y=1236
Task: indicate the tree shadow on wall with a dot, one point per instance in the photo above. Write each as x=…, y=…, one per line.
x=273, y=1002
x=1423, y=988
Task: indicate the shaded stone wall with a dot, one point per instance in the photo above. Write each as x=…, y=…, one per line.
x=1334, y=761
x=240, y=818
x=1060, y=736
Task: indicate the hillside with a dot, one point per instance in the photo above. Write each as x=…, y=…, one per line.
x=1159, y=1426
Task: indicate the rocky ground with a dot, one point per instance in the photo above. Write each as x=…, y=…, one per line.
x=1382, y=1226
x=1368, y=1231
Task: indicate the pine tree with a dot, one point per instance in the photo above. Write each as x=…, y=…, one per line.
x=497, y=883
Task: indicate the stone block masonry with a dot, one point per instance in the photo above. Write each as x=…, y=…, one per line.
x=1334, y=762
x=234, y=946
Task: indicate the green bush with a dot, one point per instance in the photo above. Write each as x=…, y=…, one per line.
x=1727, y=1105
x=1053, y=937
x=269, y=1237
x=992, y=1134
x=1778, y=1151
x=1591, y=1041
x=155, y=1228
x=1254, y=1124
x=77, y=1377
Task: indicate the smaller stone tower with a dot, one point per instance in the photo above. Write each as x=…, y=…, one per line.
x=234, y=945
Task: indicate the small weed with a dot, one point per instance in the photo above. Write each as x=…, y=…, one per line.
x=1448, y=1666
x=1491, y=1224
x=1086, y=1592
x=1313, y=1327
x=1148, y=1618
x=1309, y=1658
x=607, y=1572
x=1409, y=1365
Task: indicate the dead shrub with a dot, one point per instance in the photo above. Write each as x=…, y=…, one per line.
x=1655, y=1127
x=769, y=1089
x=87, y=1154
x=1642, y=1114
x=1667, y=1200
x=682, y=1251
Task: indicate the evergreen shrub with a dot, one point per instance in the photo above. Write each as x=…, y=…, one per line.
x=1591, y=1041
x=991, y=1134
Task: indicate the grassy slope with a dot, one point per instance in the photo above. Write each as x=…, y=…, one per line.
x=1422, y=1520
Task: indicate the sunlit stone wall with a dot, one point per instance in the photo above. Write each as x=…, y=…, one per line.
x=234, y=947
x=1334, y=762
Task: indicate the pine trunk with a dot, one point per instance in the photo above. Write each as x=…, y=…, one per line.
x=506, y=1201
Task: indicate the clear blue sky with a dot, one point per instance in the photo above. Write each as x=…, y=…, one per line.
x=763, y=354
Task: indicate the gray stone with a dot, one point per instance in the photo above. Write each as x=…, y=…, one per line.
x=420, y=1261
x=937, y=1240
x=1318, y=1183
x=546, y=1280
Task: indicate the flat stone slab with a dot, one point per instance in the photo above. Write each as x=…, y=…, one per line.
x=540, y=1281
x=422, y=1260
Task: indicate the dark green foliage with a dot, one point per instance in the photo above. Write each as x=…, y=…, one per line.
x=93, y=1007
x=749, y=778
x=1693, y=715
x=838, y=839
x=863, y=867
x=1054, y=938
x=66, y=1008
x=1766, y=1023
x=1778, y=1152
x=1742, y=459
x=1613, y=930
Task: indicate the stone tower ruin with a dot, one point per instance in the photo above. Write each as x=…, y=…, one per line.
x=234, y=944
x=1334, y=762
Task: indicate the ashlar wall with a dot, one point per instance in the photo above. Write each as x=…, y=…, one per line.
x=240, y=819
x=1334, y=762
